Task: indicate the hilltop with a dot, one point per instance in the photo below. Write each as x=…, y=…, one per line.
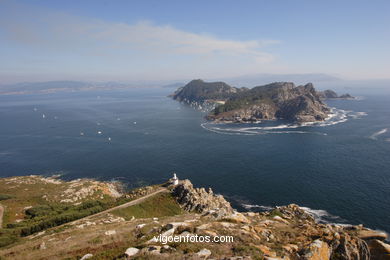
x=200, y=91
x=127, y=230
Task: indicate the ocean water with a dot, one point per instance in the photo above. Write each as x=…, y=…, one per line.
x=339, y=170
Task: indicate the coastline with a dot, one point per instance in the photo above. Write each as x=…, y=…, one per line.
x=203, y=212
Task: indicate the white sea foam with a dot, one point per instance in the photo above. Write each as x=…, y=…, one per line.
x=375, y=135
x=319, y=215
x=322, y=216
x=249, y=207
x=335, y=117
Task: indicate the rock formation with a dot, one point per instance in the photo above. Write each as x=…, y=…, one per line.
x=199, y=200
x=330, y=94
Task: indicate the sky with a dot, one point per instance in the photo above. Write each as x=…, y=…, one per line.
x=171, y=40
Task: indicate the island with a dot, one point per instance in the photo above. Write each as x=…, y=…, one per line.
x=278, y=100
x=330, y=94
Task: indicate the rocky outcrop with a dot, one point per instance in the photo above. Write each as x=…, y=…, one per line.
x=379, y=250
x=199, y=200
x=318, y=250
x=327, y=94
x=330, y=94
x=350, y=247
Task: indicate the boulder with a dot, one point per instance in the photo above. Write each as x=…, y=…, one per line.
x=379, y=250
x=368, y=234
x=238, y=218
x=204, y=253
x=277, y=218
x=318, y=250
x=87, y=256
x=110, y=232
x=131, y=251
x=349, y=248
x=42, y=246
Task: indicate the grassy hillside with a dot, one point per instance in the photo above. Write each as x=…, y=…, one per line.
x=158, y=206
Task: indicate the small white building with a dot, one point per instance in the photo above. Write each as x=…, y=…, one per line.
x=175, y=180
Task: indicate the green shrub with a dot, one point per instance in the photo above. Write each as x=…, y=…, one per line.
x=5, y=196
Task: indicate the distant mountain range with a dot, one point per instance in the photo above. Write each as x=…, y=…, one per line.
x=260, y=79
x=60, y=86
x=322, y=81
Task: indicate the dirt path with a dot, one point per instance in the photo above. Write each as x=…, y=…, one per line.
x=1, y=215
x=125, y=205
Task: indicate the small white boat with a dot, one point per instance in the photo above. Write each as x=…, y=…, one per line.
x=109, y=138
x=99, y=132
x=43, y=116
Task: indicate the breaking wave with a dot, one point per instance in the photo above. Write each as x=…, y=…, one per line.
x=323, y=216
x=319, y=215
x=335, y=117
x=259, y=207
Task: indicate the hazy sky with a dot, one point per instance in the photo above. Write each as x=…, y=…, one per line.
x=167, y=40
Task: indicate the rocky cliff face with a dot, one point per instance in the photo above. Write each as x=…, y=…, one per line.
x=287, y=232
x=201, y=201
x=281, y=100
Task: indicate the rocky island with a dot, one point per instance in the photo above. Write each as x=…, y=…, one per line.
x=124, y=225
x=330, y=94
x=279, y=100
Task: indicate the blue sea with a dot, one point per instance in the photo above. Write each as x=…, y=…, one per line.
x=339, y=170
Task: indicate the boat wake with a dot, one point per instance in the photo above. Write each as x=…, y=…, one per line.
x=337, y=116
x=375, y=135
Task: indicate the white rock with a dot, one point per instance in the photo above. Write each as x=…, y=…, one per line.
x=110, y=232
x=42, y=246
x=204, y=253
x=280, y=219
x=140, y=226
x=87, y=256
x=131, y=251
x=251, y=214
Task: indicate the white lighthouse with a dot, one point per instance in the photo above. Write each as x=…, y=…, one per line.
x=174, y=179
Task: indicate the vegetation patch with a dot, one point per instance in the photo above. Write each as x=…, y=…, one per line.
x=5, y=196
x=157, y=206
